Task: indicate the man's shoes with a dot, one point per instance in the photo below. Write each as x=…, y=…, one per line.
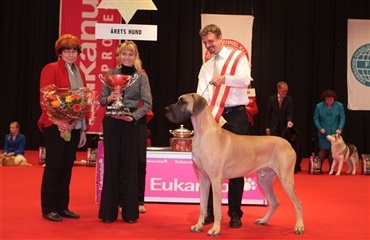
x=68, y=214
x=235, y=221
x=210, y=218
x=52, y=216
x=130, y=221
x=107, y=221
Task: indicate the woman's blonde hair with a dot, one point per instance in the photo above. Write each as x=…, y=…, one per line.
x=129, y=46
x=16, y=125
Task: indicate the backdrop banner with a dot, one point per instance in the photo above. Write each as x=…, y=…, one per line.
x=236, y=34
x=79, y=17
x=358, y=64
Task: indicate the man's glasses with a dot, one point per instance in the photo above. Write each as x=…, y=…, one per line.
x=70, y=52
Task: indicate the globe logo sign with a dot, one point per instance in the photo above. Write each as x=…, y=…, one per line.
x=360, y=64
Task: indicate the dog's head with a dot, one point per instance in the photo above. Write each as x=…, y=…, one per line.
x=291, y=134
x=336, y=137
x=187, y=105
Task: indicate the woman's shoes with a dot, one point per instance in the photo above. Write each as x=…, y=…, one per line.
x=142, y=209
x=131, y=221
x=107, y=221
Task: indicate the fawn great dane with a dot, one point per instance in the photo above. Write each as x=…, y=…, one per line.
x=218, y=154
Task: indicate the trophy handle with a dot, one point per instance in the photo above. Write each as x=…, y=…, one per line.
x=102, y=79
x=133, y=78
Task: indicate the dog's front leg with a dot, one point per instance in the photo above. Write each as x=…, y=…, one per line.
x=217, y=206
x=340, y=165
x=204, y=185
x=332, y=166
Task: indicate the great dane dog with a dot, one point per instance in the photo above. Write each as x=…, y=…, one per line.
x=219, y=154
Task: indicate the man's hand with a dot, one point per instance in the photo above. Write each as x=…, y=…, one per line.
x=218, y=80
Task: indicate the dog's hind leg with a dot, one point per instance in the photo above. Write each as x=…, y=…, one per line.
x=287, y=181
x=265, y=178
x=355, y=164
x=350, y=166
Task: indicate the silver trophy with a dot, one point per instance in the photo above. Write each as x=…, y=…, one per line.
x=118, y=82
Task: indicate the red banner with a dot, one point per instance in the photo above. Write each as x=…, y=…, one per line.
x=79, y=17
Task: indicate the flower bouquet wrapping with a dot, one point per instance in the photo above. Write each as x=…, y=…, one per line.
x=66, y=107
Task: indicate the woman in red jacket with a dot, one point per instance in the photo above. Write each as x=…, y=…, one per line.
x=251, y=108
x=60, y=153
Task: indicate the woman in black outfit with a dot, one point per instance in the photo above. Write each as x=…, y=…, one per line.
x=121, y=138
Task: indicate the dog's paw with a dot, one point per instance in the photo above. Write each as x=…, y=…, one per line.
x=214, y=232
x=196, y=228
x=299, y=230
x=260, y=222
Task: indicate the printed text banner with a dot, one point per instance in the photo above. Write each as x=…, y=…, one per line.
x=79, y=17
x=126, y=31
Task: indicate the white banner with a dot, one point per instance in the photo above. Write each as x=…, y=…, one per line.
x=126, y=31
x=358, y=64
x=236, y=31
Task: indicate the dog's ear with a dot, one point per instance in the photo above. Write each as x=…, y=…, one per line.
x=199, y=104
x=337, y=136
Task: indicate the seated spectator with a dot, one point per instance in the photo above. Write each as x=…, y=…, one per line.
x=14, y=145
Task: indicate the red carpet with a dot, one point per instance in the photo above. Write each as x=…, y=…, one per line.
x=334, y=208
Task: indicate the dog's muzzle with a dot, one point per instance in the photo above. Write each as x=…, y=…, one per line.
x=177, y=114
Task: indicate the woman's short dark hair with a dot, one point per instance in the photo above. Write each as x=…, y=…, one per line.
x=67, y=41
x=329, y=93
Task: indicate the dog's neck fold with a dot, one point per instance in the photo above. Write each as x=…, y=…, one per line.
x=203, y=120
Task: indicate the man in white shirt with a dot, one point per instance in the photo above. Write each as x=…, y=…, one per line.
x=223, y=82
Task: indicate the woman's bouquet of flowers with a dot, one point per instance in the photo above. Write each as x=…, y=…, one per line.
x=66, y=107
